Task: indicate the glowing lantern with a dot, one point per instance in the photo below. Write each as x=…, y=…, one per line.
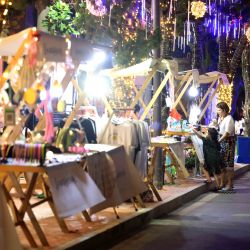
x=198, y=9
x=30, y=96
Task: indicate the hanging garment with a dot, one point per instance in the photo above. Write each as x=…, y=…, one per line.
x=89, y=127
x=144, y=142
x=122, y=133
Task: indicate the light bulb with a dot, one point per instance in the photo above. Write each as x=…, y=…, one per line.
x=193, y=91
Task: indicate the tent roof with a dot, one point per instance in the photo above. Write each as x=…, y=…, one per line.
x=50, y=47
x=143, y=68
x=10, y=44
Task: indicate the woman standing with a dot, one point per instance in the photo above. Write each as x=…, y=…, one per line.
x=227, y=143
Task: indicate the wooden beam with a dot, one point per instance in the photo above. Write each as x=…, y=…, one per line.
x=207, y=93
x=155, y=96
x=183, y=80
x=183, y=109
x=107, y=105
x=140, y=99
x=81, y=100
x=182, y=92
x=209, y=101
x=144, y=86
x=65, y=82
x=73, y=112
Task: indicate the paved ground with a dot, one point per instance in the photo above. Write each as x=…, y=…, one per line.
x=213, y=221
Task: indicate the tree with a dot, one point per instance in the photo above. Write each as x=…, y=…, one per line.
x=58, y=21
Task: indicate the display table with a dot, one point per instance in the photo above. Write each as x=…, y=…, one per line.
x=12, y=174
x=175, y=149
x=178, y=133
x=67, y=178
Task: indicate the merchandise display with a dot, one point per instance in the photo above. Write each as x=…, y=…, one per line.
x=109, y=103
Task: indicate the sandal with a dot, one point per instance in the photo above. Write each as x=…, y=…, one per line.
x=226, y=190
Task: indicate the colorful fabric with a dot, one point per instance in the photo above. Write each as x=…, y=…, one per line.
x=228, y=152
x=48, y=112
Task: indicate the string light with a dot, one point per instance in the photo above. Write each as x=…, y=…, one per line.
x=225, y=94
x=123, y=93
x=5, y=4
x=198, y=9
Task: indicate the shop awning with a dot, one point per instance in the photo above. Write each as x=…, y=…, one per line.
x=51, y=48
x=143, y=68
x=10, y=44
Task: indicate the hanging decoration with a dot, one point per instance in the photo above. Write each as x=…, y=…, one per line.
x=198, y=9
x=99, y=8
x=6, y=4
x=123, y=93
x=225, y=93
x=30, y=96
x=47, y=106
x=168, y=27
x=128, y=30
x=248, y=34
x=96, y=7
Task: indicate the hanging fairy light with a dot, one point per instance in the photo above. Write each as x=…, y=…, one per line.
x=225, y=94
x=122, y=92
x=248, y=34
x=198, y=9
x=98, y=7
x=5, y=4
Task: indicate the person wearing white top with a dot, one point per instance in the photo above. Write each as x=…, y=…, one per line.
x=227, y=144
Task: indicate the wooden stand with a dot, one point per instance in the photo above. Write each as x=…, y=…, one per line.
x=180, y=168
x=26, y=208
x=12, y=175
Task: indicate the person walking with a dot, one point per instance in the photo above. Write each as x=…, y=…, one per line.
x=227, y=144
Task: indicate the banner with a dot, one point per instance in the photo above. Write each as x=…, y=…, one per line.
x=124, y=178
x=73, y=190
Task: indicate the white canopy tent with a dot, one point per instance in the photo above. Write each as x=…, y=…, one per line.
x=44, y=49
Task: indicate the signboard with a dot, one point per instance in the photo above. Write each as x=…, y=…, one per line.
x=9, y=116
x=51, y=48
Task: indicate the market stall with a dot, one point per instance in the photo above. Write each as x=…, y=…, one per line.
x=180, y=84
x=54, y=62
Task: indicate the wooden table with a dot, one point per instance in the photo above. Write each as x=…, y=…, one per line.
x=167, y=144
x=11, y=180
x=127, y=185
x=178, y=133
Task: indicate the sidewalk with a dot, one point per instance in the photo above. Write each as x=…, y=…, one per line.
x=173, y=197
x=211, y=221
